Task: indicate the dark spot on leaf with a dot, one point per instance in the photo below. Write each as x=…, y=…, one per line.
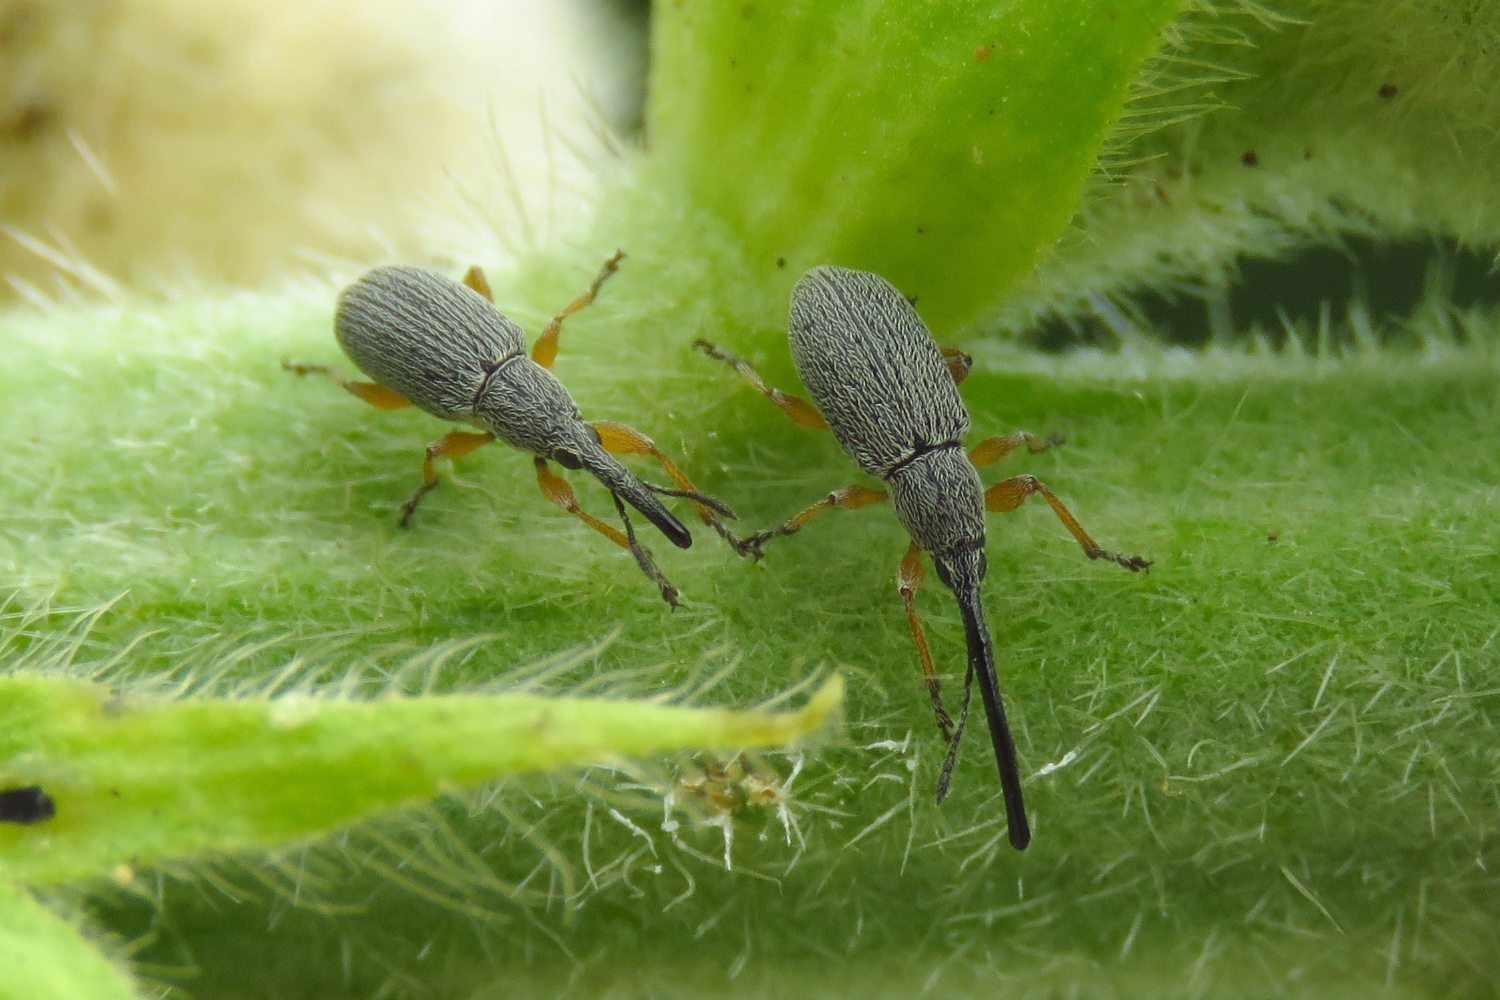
x=781, y=262
x=1250, y=158
x=1388, y=90
x=26, y=805
x=982, y=52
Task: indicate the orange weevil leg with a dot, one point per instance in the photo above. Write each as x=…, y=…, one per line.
x=993, y=449
x=371, y=392
x=959, y=364
x=848, y=498
x=544, y=351
x=475, y=279
x=1008, y=494
x=800, y=410
x=454, y=444
x=559, y=491
x=618, y=439
x=908, y=578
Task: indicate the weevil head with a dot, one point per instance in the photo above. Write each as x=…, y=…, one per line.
x=590, y=455
x=961, y=570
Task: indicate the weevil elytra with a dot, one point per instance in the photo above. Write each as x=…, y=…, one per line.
x=889, y=395
x=27, y=805
x=430, y=342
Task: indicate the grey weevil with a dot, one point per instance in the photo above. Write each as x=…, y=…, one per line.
x=889, y=394
x=430, y=342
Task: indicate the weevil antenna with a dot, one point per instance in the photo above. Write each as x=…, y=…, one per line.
x=946, y=775
x=643, y=555
x=717, y=506
x=981, y=661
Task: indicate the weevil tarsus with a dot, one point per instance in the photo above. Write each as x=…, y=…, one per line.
x=799, y=410
x=544, y=351
x=1007, y=496
x=643, y=558
x=454, y=444
x=848, y=498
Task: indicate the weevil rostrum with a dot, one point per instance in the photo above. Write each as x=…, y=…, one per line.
x=889, y=394
x=442, y=346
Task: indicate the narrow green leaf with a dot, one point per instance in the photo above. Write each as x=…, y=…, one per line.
x=140, y=780
x=42, y=957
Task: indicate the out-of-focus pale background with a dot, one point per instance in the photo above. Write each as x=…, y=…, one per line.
x=170, y=143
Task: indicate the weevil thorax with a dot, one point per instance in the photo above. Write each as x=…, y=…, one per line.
x=939, y=500
x=425, y=336
x=873, y=369
x=524, y=405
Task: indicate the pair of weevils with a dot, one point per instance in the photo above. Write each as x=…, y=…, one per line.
x=881, y=384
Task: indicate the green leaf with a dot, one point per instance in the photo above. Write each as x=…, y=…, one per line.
x=1262, y=770
x=942, y=145
x=43, y=957
x=140, y=780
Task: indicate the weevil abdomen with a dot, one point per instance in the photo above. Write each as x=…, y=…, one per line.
x=424, y=336
x=873, y=369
